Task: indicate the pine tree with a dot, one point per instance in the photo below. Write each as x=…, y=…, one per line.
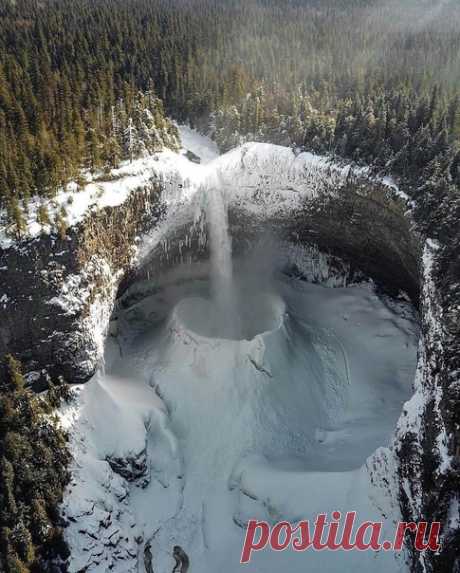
x=94, y=150
x=7, y=498
x=16, y=216
x=14, y=564
x=15, y=373
x=39, y=521
x=43, y=217
x=22, y=541
x=130, y=140
x=60, y=224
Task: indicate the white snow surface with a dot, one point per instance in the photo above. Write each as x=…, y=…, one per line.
x=263, y=178
x=199, y=144
x=97, y=193
x=286, y=420
x=284, y=423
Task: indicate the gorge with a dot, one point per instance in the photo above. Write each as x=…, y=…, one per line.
x=265, y=384
x=195, y=420
x=229, y=285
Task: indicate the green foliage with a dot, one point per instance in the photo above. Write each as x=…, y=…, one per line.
x=43, y=217
x=18, y=225
x=33, y=473
x=60, y=223
x=319, y=73
x=63, y=106
x=80, y=83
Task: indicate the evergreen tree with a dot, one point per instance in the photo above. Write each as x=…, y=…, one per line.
x=33, y=474
x=43, y=217
x=16, y=216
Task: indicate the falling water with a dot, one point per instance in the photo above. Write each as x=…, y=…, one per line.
x=222, y=287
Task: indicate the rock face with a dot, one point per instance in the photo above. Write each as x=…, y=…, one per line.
x=133, y=469
x=427, y=440
x=57, y=296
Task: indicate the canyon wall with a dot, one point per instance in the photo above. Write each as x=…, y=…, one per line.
x=57, y=295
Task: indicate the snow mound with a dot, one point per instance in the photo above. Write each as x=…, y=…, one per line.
x=282, y=424
x=258, y=315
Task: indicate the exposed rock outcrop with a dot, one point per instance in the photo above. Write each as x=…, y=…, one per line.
x=57, y=294
x=132, y=468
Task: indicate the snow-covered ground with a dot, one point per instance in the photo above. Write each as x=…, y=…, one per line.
x=262, y=178
x=192, y=428
x=99, y=193
x=200, y=145
x=282, y=424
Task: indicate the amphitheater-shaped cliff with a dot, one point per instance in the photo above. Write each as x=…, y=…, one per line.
x=322, y=222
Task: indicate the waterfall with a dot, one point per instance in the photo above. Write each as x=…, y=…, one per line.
x=222, y=286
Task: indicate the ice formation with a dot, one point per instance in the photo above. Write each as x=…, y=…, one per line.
x=233, y=394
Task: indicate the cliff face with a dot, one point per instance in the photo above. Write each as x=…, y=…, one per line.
x=57, y=295
x=427, y=438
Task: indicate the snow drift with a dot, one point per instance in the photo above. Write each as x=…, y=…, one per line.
x=236, y=393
